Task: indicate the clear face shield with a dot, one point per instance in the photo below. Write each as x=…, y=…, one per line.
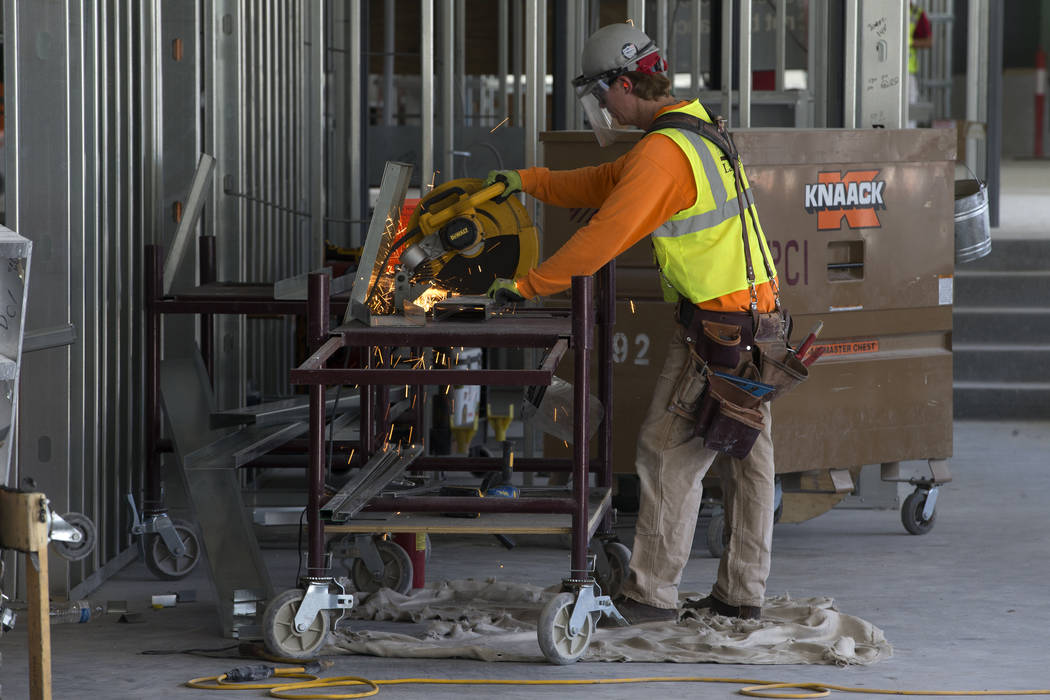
x=591, y=95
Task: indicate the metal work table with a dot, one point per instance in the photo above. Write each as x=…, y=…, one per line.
x=583, y=511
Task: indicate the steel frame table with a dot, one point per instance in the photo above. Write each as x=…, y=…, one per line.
x=553, y=330
x=297, y=620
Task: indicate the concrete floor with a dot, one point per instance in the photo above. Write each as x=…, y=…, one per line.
x=965, y=606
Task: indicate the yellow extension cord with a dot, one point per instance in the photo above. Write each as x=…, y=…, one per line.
x=760, y=689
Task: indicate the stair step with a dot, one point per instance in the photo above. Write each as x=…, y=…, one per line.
x=977, y=362
x=989, y=324
x=1002, y=400
x=980, y=288
x=1012, y=254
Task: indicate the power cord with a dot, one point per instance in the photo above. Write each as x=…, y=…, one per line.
x=244, y=678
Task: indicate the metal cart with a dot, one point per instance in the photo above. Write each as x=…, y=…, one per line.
x=297, y=621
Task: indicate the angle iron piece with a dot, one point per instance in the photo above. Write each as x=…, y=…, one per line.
x=392, y=189
x=384, y=466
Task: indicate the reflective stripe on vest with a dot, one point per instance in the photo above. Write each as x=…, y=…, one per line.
x=699, y=249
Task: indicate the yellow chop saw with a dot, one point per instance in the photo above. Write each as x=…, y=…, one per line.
x=460, y=237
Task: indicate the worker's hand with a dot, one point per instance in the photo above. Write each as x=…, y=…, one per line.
x=504, y=291
x=510, y=179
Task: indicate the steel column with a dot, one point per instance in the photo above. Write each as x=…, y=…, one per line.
x=357, y=68
x=851, y=69
x=994, y=110
x=727, y=60
x=781, y=43
x=426, y=103
x=698, y=47
x=976, y=76
x=502, y=61
x=152, y=494
x=517, y=50
x=317, y=332
x=535, y=73
x=636, y=13
x=448, y=89
x=318, y=129
x=389, y=47
x=745, y=64
x=582, y=342
x=664, y=32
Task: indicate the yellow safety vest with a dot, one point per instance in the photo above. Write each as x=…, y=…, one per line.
x=700, y=249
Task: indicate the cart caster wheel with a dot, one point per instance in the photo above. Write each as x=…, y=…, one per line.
x=553, y=631
x=716, y=535
x=611, y=581
x=397, y=570
x=165, y=565
x=75, y=551
x=911, y=513
x=282, y=639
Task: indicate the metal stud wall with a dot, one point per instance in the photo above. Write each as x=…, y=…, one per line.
x=81, y=115
x=277, y=221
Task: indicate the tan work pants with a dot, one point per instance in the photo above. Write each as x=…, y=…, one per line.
x=671, y=464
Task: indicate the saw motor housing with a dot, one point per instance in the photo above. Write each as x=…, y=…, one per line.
x=466, y=235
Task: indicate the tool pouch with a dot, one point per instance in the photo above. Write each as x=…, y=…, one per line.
x=731, y=429
x=719, y=339
x=688, y=391
x=779, y=366
x=728, y=417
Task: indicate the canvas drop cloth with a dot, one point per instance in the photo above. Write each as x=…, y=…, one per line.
x=496, y=621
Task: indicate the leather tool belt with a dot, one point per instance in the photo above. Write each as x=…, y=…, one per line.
x=746, y=361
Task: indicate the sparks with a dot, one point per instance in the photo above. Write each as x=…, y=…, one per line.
x=427, y=299
x=447, y=387
x=410, y=433
x=505, y=120
x=391, y=435
x=351, y=457
x=631, y=302
x=566, y=443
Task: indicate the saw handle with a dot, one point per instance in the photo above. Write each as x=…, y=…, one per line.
x=432, y=221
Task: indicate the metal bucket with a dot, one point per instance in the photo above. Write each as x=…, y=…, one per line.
x=973, y=238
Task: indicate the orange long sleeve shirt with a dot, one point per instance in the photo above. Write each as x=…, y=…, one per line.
x=634, y=195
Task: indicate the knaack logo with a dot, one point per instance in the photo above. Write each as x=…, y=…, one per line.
x=854, y=195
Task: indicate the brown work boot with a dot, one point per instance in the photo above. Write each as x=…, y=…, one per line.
x=639, y=613
x=712, y=604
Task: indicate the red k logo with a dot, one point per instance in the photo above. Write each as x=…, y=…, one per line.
x=854, y=195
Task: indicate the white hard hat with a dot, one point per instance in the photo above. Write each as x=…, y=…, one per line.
x=616, y=49
x=611, y=51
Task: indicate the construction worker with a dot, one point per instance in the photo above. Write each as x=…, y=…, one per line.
x=679, y=189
